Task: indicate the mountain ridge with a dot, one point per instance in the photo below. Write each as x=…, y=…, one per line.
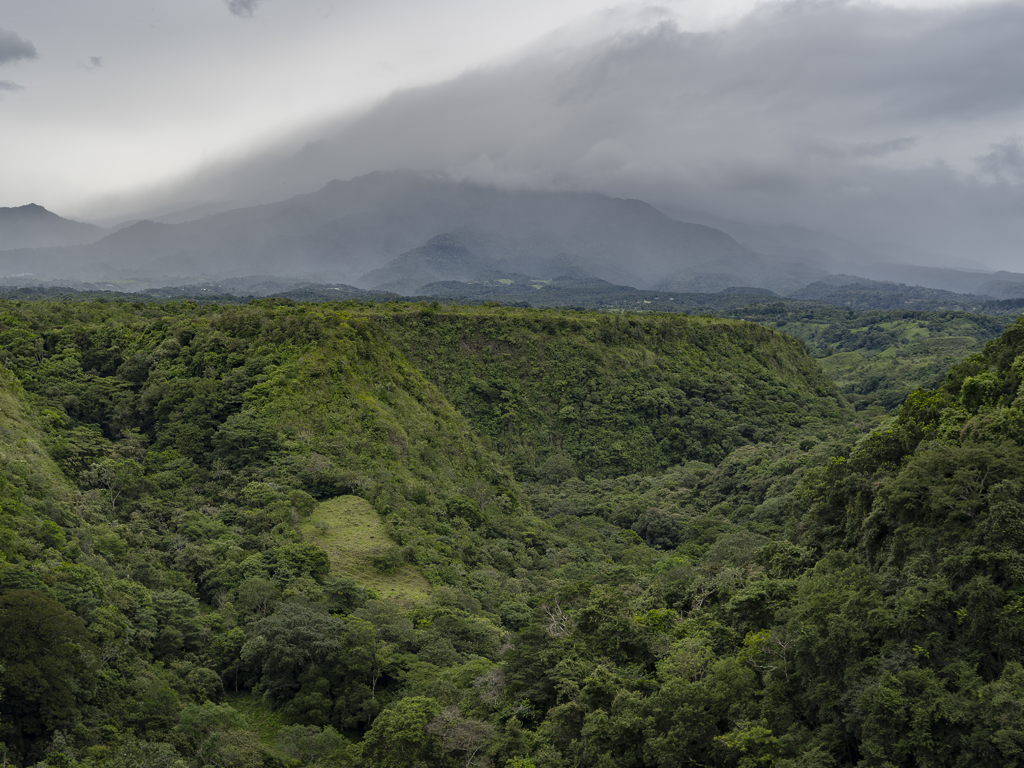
x=343, y=232
x=33, y=226
x=349, y=228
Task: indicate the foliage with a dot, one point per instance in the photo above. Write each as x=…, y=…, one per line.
x=606, y=395
x=405, y=534
x=878, y=357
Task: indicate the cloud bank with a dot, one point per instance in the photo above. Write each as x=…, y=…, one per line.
x=14, y=48
x=243, y=8
x=874, y=122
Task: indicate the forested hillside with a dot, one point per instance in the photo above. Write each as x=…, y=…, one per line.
x=604, y=395
x=878, y=357
x=411, y=535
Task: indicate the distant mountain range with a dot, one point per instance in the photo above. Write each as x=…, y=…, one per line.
x=349, y=229
x=400, y=231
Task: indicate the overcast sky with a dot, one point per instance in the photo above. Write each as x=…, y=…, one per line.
x=897, y=121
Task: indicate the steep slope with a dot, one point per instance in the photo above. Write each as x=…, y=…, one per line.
x=33, y=492
x=200, y=439
x=816, y=597
x=607, y=395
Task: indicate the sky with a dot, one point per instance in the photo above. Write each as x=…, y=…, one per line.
x=896, y=122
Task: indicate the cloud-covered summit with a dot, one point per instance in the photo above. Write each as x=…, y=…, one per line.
x=860, y=118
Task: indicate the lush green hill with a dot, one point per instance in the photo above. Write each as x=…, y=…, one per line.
x=404, y=535
x=567, y=394
x=199, y=440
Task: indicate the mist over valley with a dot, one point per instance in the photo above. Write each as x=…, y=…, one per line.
x=402, y=231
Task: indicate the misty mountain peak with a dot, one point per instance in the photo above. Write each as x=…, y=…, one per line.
x=444, y=241
x=23, y=211
x=441, y=258
x=31, y=208
x=32, y=226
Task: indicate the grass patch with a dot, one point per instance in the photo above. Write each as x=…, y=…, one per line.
x=259, y=717
x=348, y=529
x=916, y=332
x=842, y=361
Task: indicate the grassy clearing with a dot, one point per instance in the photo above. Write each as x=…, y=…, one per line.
x=843, y=362
x=348, y=529
x=259, y=717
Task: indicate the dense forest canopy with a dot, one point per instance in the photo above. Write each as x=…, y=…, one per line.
x=408, y=534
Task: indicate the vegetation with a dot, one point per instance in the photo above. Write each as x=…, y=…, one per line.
x=876, y=341
x=603, y=394
x=349, y=530
x=878, y=357
x=282, y=534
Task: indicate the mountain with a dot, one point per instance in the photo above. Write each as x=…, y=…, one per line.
x=442, y=258
x=824, y=250
x=1000, y=285
x=32, y=226
x=351, y=228
x=862, y=293
x=878, y=261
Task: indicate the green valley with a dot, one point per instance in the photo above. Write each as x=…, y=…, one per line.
x=411, y=534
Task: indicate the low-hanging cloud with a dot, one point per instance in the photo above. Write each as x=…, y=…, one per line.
x=243, y=8
x=7, y=85
x=860, y=118
x=14, y=48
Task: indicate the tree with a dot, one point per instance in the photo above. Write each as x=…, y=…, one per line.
x=399, y=737
x=244, y=438
x=308, y=744
x=319, y=666
x=119, y=477
x=50, y=668
x=217, y=735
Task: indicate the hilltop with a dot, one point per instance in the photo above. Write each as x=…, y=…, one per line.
x=32, y=226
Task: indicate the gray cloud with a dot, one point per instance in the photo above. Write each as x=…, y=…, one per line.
x=14, y=48
x=7, y=85
x=1005, y=161
x=95, y=62
x=859, y=118
x=243, y=8
x=882, y=148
